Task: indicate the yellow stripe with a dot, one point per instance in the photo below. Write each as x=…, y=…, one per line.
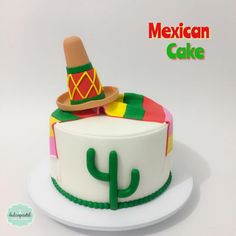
x=120, y=98
x=51, y=122
x=170, y=143
x=116, y=109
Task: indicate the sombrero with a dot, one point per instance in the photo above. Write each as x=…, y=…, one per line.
x=85, y=90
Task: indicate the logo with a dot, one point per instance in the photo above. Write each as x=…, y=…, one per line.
x=173, y=51
x=20, y=215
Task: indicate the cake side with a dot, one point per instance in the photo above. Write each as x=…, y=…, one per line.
x=144, y=151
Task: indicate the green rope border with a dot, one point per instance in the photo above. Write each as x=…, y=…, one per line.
x=79, y=69
x=106, y=205
x=98, y=97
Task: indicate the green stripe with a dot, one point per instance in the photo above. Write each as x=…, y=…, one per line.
x=133, y=99
x=78, y=69
x=106, y=205
x=98, y=97
x=134, y=109
x=64, y=115
x=133, y=112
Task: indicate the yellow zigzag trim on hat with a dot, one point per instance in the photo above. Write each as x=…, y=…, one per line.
x=76, y=85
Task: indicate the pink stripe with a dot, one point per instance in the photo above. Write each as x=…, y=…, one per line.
x=157, y=113
x=52, y=145
x=169, y=120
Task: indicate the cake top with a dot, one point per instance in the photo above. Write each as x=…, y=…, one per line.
x=104, y=126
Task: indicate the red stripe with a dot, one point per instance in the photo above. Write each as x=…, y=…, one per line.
x=153, y=111
x=87, y=113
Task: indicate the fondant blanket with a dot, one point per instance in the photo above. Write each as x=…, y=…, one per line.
x=128, y=105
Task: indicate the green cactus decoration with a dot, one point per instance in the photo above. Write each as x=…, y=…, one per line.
x=111, y=177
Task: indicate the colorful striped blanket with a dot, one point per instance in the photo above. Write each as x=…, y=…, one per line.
x=128, y=105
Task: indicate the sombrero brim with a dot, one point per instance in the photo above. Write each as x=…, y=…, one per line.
x=111, y=94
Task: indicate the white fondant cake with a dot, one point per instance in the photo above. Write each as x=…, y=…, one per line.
x=139, y=144
x=108, y=149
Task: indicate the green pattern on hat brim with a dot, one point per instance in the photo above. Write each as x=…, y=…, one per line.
x=98, y=97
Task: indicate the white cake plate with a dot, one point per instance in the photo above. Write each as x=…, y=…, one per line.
x=46, y=197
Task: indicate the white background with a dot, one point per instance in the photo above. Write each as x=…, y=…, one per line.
x=200, y=94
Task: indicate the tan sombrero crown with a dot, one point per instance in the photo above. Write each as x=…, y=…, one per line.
x=85, y=90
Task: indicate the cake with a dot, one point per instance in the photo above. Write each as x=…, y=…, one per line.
x=108, y=150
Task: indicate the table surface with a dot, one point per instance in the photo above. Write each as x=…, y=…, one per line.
x=201, y=94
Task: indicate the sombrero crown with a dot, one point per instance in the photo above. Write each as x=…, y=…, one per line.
x=85, y=90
